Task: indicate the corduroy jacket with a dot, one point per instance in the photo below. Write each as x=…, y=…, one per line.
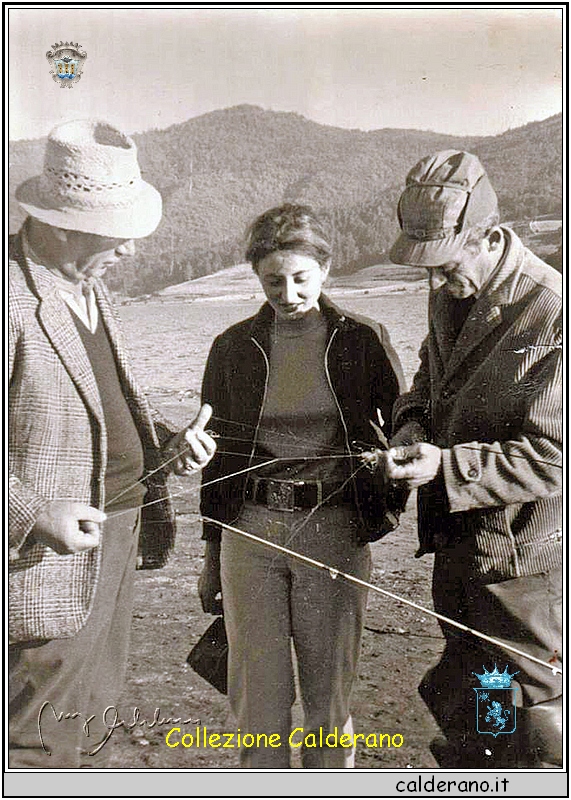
x=364, y=374
x=492, y=400
x=58, y=448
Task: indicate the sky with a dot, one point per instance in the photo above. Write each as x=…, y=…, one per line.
x=458, y=70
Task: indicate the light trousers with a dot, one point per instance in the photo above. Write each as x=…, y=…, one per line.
x=81, y=675
x=271, y=599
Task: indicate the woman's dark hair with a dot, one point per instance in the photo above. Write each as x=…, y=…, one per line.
x=288, y=227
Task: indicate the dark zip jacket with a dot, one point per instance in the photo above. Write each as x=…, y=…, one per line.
x=364, y=374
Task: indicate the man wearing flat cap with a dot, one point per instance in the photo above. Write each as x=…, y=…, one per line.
x=88, y=461
x=480, y=435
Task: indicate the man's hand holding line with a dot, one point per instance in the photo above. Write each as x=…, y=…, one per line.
x=413, y=465
x=193, y=445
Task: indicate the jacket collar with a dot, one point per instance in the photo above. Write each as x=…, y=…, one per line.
x=486, y=313
x=262, y=322
x=56, y=320
x=38, y=278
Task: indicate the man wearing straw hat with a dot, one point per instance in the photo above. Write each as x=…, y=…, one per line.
x=480, y=435
x=81, y=440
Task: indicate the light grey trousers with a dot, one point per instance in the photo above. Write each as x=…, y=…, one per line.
x=78, y=676
x=270, y=599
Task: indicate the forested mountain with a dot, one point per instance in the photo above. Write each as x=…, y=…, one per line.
x=218, y=171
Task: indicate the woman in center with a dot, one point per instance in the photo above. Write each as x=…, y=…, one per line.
x=293, y=390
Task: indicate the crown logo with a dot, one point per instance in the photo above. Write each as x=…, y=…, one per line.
x=495, y=679
x=66, y=60
x=66, y=44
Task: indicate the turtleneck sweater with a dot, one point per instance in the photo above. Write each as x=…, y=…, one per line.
x=300, y=418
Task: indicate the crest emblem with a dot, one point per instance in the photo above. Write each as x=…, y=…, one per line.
x=495, y=702
x=66, y=62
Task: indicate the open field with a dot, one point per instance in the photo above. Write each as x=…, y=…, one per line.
x=169, y=341
x=240, y=281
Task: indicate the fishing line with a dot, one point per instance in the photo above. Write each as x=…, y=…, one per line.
x=291, y=444
x=332, y=571
x=325, y=500
x=301, y=440
x=216, y=480
x=187, y=448
x=287, y=459
x=194, y=488
x=335, y=573
x=148, y=475
x=368, y=444
x=291, y=437
x=297, y=529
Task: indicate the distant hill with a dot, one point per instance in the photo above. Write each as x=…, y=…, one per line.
x=216, y=172
x=241, y=281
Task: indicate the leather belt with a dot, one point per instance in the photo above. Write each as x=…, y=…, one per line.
x=283, y=495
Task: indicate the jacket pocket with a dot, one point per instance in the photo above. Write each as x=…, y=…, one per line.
x=51, y=595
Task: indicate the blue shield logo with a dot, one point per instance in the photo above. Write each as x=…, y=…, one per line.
x=66, y=61
x=496, y=711
x=66, y=68
x=495, y=702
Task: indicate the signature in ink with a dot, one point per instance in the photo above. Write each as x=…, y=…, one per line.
x=111, y=721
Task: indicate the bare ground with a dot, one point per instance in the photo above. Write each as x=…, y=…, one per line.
x=399, y=643
x=169, y=345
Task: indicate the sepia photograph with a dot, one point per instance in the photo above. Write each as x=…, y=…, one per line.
x=284, y=399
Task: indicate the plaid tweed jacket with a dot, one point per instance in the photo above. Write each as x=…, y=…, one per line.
x=57, y=450
x=492, y=400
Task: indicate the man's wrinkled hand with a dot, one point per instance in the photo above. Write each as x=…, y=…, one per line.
x=414, y=465
x=193, y=446
x=68, y=527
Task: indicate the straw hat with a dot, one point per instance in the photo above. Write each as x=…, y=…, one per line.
x=92, y=182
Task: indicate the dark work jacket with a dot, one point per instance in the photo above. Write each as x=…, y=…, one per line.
x=364, y=374
x=491, y=399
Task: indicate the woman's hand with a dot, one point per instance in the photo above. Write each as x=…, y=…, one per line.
x=209, y=584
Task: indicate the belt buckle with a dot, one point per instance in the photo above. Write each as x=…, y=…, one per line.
x=280, y=495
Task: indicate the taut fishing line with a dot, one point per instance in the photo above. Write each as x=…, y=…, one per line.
x=333, y=572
